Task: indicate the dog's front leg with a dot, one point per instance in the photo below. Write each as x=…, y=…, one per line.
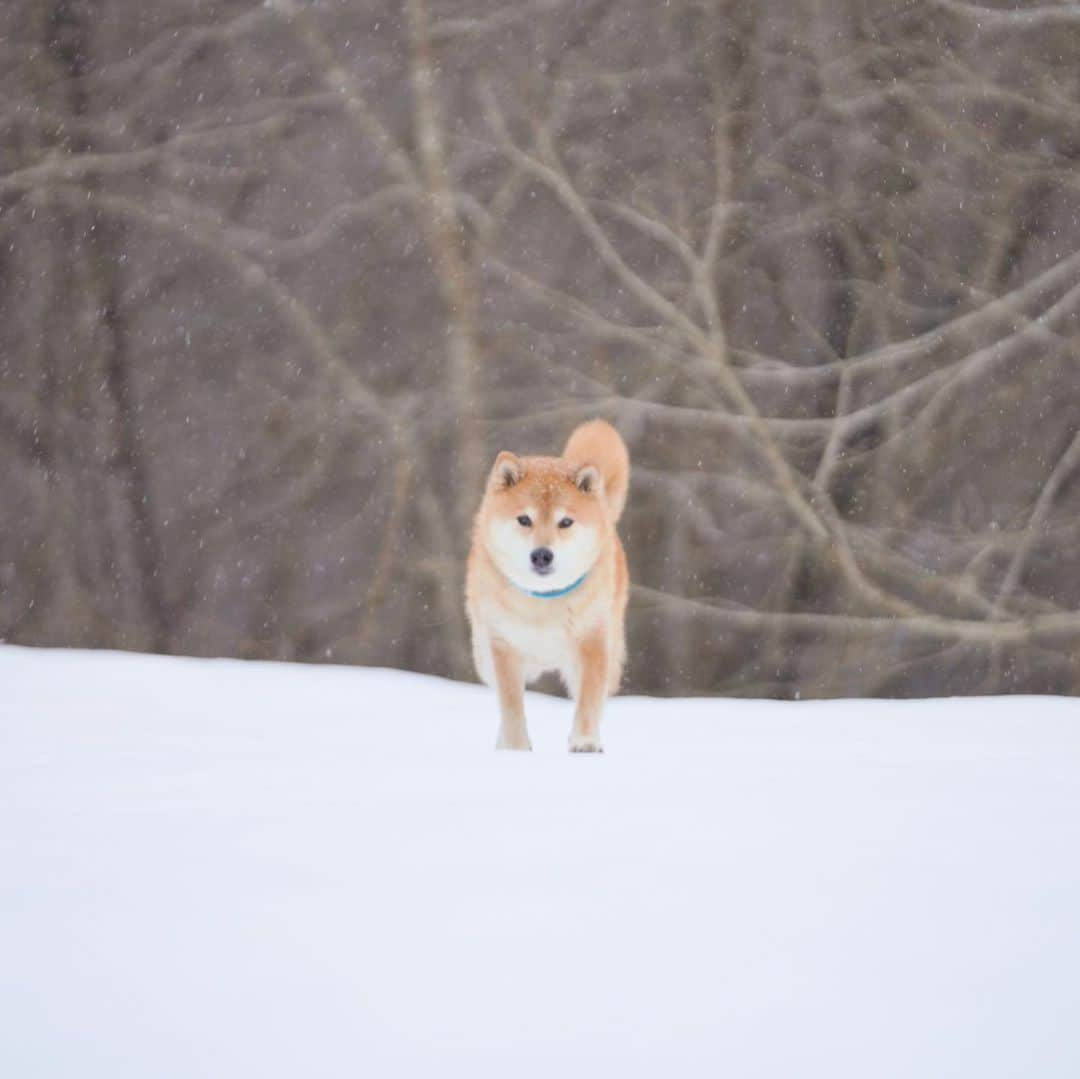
x=592, y=679
x=510, y=683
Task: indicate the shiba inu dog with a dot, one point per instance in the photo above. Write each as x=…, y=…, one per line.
x=546, y=583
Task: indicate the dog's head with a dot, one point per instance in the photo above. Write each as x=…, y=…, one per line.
x=543, y=520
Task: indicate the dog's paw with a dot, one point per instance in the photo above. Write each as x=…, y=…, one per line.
x=583, y=744
x=514, y=746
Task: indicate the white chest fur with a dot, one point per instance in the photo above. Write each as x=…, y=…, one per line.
x=543, y=647
x=542, y=638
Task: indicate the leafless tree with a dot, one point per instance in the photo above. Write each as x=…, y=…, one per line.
x=278, y=279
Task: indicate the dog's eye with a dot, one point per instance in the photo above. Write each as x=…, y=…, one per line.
x=524, y=520
x=565, y=522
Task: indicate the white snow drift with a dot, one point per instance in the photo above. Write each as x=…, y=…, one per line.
x=223, y=869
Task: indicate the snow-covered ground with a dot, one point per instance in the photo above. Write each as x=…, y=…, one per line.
x=223, y=869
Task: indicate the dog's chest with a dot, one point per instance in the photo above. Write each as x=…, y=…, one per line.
x=544, y=646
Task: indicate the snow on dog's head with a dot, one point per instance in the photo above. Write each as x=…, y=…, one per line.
x=542, y=520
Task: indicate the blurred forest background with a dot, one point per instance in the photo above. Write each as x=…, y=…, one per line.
x=278, y=279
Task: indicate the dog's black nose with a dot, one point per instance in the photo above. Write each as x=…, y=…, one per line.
x=542, y=558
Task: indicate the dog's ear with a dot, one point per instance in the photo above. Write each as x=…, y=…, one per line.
x=589, y=481
x=508, y=470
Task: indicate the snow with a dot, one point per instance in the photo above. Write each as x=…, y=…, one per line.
x=216, y=868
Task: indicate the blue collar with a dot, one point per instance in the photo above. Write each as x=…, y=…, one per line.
x=556, y=592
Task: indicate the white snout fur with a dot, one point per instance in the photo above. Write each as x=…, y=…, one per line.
x=575, y=549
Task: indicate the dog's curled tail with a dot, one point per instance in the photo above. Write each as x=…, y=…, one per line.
x=597, y=443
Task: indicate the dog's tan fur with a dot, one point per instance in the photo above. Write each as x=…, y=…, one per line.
x=516, y=636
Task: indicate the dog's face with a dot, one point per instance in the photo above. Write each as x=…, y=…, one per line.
x=543, y=520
